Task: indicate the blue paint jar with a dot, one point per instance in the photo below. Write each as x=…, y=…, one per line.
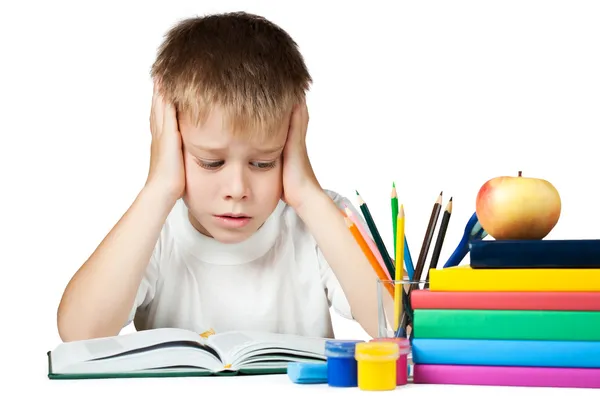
x=341, y=364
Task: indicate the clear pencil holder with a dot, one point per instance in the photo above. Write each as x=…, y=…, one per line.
x=386, y=307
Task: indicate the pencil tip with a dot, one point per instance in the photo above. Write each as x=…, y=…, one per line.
x=450, y=198
x=441, y=193
x=357, y=193
x=393, y=184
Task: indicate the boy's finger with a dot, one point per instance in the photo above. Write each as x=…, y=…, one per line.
x=294, y=122
x=299, y=121
x=155, y=93
x=159, y=108
x=152, y=108
x=305, y=116
x=169, y=118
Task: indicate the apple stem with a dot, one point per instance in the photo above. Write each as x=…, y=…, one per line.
x=520, y=172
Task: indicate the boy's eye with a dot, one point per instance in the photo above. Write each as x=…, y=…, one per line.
x=210, y=164
x=265, y=165
x=217, y=164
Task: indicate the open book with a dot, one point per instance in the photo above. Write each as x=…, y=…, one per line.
x=177, y=352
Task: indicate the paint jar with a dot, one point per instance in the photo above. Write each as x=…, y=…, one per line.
x=376, y=365
x=341, y=364
x=402, y=362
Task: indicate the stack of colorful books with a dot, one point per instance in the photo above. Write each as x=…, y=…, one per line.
x=522, y=313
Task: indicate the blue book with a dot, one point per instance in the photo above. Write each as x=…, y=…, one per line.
x=516, y=353
x=569, y=253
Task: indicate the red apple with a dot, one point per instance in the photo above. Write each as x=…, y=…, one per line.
x=516, y=207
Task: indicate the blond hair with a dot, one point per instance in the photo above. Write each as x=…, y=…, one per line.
x=242, y=62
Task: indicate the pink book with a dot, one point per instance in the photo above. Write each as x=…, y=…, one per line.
x=506, y=376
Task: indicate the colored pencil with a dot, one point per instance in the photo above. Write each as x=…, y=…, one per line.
x=435, y=212
x=398, y=287
x=367, y=251
x=376, y=236
x=435, y=256
x=394, y=200
x=367, y=239
x=408, y=263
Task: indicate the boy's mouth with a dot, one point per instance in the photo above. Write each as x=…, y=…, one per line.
x=231, y=220
x=230, y=215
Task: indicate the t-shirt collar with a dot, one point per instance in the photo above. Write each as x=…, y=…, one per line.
x=211, y=251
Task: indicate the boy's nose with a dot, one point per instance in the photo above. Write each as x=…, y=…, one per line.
x=237, y=187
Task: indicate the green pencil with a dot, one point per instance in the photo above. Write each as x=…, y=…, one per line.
x=378, y=241
x=408, y=263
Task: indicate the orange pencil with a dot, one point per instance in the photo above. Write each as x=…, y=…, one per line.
x=367, y=251
x=369, y=241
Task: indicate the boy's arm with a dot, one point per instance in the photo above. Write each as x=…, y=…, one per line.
x=351, y=267
x=99, y=297
x=323, y=218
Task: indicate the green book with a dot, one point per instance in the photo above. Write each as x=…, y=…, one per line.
x=507, y=324
x=171, y=352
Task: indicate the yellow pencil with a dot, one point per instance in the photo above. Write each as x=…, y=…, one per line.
x=398, y=273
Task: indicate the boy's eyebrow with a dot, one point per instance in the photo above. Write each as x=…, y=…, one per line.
x=263, y=150
x=208, y=148
x=268, y=150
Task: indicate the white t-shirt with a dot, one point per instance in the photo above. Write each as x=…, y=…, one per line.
x=277, y=280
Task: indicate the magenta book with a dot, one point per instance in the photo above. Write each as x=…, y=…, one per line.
x=506, y=376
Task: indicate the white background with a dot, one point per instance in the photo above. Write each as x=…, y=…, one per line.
x=434, y=95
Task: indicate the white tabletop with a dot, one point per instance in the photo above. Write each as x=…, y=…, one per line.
x=277, y=386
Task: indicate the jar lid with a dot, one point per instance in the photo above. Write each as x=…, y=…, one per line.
x=403, y=343
x=377, y=351
x=341, y=348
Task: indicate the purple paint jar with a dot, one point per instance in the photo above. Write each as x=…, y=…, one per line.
x=341, y=364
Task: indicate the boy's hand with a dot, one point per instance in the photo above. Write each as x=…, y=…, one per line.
x=298, y=176
x=166, y=157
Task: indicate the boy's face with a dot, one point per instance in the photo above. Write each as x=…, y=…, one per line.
x=232, y=184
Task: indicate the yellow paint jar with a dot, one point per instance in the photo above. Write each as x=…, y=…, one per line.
x=376, y=365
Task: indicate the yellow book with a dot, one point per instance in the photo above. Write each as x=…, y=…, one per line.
x=466, y=279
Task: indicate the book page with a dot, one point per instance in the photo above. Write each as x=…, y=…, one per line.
x=71, y=353
x=168, y=356
x=234, y=347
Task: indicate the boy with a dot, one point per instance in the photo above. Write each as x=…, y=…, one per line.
x=231, y=229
